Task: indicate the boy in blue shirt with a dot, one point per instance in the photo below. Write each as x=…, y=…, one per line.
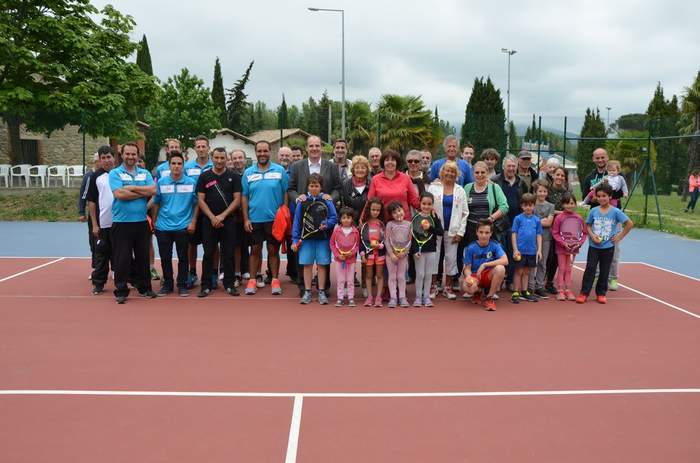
x=602, y=225
x=484, y=267
x=526, y=236
x=175, y=212
x=314, y=249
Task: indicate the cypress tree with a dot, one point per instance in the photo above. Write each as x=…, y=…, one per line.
x=143, y=57
x=236, y=104
x=322, y=115
x=513, y=139
x=484, y=117
x=593, y=126
x=217, y=93
x=282, y=117
x=663, y=118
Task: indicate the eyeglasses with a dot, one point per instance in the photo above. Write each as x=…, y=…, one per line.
x=413, y=161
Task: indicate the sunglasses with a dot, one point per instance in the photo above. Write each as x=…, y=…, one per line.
x=413, y=161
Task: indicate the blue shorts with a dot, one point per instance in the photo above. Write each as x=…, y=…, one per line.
x=314, y=252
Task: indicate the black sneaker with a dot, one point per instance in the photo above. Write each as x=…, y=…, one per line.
x=148, y=294
x=528, y=296
x=515, y=298
x=204, y=292
x=182, y=292
x=541, y=293
x=232, y=291
x=121, y=299
x=98, y=289
x=164, y=291
x=550, y=289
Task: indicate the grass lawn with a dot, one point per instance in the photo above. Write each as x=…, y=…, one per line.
x=40, y=205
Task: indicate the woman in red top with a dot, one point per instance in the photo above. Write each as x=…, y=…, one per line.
x=393, y=185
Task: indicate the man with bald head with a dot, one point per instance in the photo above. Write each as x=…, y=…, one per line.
x=284, y=157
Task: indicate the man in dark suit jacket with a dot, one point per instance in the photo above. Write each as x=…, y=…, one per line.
x=299, y=178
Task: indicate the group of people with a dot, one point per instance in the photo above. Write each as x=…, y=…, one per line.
x=450, y=226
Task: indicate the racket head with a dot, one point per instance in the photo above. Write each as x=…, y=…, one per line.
x=421, y=236
x=400, y=237
x=345, y=243
x=314, y=216
x=372, y=232
x=571, y=231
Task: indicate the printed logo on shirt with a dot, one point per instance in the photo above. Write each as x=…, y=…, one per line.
x=184, y=188
x=125, y=177
x=166, y=189
x=273, y=176
x=164, y=173
x=140, y=177
x=211, y=184
x=255, y=177
x=194, y=171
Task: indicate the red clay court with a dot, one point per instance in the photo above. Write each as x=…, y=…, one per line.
x=264, y=379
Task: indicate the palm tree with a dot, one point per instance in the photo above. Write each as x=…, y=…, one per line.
x=406, y=123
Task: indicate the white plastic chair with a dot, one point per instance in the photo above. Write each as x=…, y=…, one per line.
x=5, y=174
x=39, y=172
x=20, y=171
x=57, y=172
x=74, y=172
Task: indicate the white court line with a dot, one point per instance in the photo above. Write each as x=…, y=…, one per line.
x=31, y=269
x=670, y=271
x=543, y=393
x=656, y=299
x=293, y=441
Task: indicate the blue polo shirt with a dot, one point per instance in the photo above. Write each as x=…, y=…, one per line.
x=265, y=191
x=475, y=255
x=465, y=171
x=194, y=170
x=129, y=210
x=605, y=225
x=163, y=170
x=177, y=200
x=527, y=227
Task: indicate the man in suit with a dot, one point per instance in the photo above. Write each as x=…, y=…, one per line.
x=299, y=177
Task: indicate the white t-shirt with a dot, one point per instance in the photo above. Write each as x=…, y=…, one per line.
x=106, y=198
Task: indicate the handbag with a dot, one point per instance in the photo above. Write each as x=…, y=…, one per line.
x=501, y=224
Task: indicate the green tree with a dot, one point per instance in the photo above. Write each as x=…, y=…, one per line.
x=294, y=116
x=513, y=138
x=183, y=110
x=406, y=124
x=361, y=130
x=236, y=104
x=143, y=57
x=531, y=132
x=64, y=62
x=484, y=118
x=663, y=118
x=593, y=127
x=323, y=104
x=217, y=93
x=309, y=116
x=282, y=115
x=689, y=123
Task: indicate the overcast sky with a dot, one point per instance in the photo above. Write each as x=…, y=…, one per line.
x=570, y=55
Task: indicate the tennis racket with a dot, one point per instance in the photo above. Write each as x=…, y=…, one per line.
x=346, y=244
x=571, y=231
x=372, y=236
x=399, y=238
x=314, y=216
x=420, y=235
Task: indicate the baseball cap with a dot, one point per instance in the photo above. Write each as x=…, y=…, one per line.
x=524, y=154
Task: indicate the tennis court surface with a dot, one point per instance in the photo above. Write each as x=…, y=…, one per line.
x=264, y=379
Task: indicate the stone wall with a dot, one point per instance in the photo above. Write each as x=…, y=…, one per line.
x=62, y=147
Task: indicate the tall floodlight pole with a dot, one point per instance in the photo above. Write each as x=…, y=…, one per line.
x=608, y=108
x=509, y=53
x=342, y=65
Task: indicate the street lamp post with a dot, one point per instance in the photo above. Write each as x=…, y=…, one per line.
x=608, y=108
x=509, y=53
x=342, y=65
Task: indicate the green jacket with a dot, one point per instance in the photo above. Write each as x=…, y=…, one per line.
x=493, y=189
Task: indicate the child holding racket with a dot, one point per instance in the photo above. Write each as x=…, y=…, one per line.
x=345, y=242
x=312, y=220
x=526, y=237
x=398, y=242
x=425, y=227
x=484, y=267
x=372, y=250
x=602, y=225
x=569, y=233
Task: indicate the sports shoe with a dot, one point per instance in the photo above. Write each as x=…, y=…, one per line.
x=455, y=284
x=541, y=293
x=515, y=297
x=154, y=274
x=148, y=294
x=164, y=291
x=251, y=288
x=528, y=296
x=368, y=301
x=427, y=302
x=339, y=302
x=561, y=296
x=418, y=302
x=392, y=303
x=489, y=304
x=120, y=299
x=433, y=291
x=351, y=302
x=259, y=282
x=276, y=288
x=182, y=292
x=98, y=289
x=550, y=289
x=612, y=284
x=237, y=280
x=403, y=302
x=476, y=298
x=601, y=299
x=204, y=292
x=306, y=298
x=322, y=298
x=570, y=295
x=246, y=276
x=378, y=302
x=581, y=298
x=191, y=280
x=447, y=292
x=232, y=291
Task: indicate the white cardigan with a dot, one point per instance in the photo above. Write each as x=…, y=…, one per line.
x=460, y=209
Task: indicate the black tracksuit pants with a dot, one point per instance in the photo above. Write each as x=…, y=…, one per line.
x=604, y=258
x=225, y=238
x=166, y=239
x=131, y=240
x=103, y=257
